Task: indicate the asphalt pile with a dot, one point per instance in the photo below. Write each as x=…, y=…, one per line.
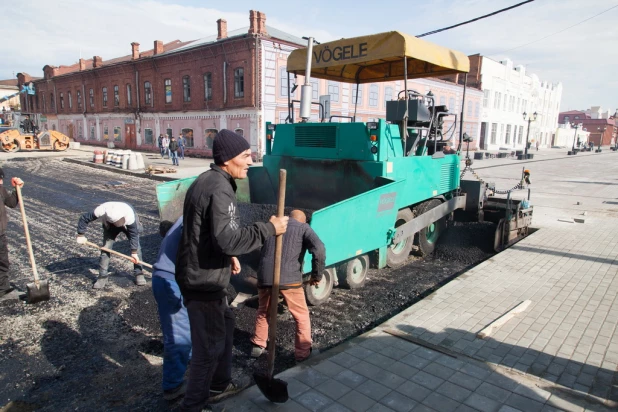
x=102, y=350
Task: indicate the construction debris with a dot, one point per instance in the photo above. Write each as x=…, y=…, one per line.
x=579, y=219
x=159, y=170
x=566, y=220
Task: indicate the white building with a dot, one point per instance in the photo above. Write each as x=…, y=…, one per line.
x=508, y=92
x=566, y=136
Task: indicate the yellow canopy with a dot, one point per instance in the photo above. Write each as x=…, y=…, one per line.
x=378, y=57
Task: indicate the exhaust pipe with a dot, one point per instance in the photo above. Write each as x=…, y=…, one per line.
x=306, y=93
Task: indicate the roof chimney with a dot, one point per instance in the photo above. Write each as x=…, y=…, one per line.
x=97, y=61
x=158, y=47
x=135, y=50
x=82, y=65
x=253, y=24
x=221, y=29
x=261, y=22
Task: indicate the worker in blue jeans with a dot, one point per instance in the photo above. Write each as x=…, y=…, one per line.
x=172, y=314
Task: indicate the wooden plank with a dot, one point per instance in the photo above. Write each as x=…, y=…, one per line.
x=405, y=336
x=489, y=329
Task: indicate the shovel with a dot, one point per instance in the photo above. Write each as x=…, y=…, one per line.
x=113, y=252
x=39, y=290
x=275, y=390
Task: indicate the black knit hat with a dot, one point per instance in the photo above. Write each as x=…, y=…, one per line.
x=228, y=145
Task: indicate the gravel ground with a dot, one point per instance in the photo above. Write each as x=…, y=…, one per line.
x=101, y=350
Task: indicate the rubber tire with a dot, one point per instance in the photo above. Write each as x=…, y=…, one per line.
x=350, y=277
x=59, y=150
x=425, y=241
x=317, y=296
x=17, y=147
x=397, y=259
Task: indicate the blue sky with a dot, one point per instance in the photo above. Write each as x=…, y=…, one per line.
x=583, y=58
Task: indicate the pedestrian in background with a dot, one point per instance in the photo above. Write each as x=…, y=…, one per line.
x=8, y=200
x=166, y=144
x=182, y=142
x=173, y=148
x=161, y=145
x=537, y=145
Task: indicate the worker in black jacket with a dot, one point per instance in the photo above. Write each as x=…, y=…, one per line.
x=11, y=200
x=173, y=148
x=298, y=239
x=210, y=241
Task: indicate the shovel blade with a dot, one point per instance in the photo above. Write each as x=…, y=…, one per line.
x=36, y=293
x=275, y=390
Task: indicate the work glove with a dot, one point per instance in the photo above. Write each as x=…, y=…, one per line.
x=134, y=258
x=16, y=181
x=81, y=239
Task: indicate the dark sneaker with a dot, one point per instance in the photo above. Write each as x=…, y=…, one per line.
x=140, y=280
x=100, y=283
x=257, y=351
x=171, y=394
x=231, y=389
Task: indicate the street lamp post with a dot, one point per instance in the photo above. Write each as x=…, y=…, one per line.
x=575, y=138
x=530, y=119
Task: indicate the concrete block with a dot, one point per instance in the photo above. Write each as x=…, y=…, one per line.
x=579, y=219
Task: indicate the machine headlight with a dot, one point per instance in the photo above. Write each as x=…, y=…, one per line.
x=372, y=125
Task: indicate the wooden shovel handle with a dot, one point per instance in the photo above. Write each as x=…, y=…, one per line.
x=27, y=233
x=274, y=291
x=113, y=252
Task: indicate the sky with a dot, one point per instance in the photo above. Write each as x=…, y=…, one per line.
x=583, y=58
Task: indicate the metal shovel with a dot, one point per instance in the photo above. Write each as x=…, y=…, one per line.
x=39, y=290
x=275, y=390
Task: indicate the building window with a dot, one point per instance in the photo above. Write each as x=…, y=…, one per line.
x=315, y=89
x=147, y=93
x=188, y=134
x=148, y=136
x=70, y=97
x=497, y=100
x=79, y=99
x=129, y=99
x=105, y=97
x=494, y=129
x=116, y=96
x=451, y=104
x=373, y=95
x=240, y=132
x=469, y=110
x=52, y=101
x=283, y=117
x=168, y=90
x=44, y=102
x=486, y=98
x=61, y=101
x=186, y=89
x=442, y=100
x=507, y=137
x=283, y=80
x=117, y=134
x=566, y=119
x=91, y=94
x=91, y=132
x=357, y=98
x=576, y=118
x=506, y=98
x=501, y=133
x=209, y=137
x=518, y=104
x=208, y=86
x=333, y=91
x=239, y=82
x=105, y=133
x=477, y=109
x=388, y=95
x=168, y=133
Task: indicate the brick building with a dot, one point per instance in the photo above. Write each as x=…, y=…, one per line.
x=235, y=80
x=602, y=130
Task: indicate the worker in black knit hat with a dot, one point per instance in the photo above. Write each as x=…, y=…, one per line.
x=210, y=241
x=11, y=200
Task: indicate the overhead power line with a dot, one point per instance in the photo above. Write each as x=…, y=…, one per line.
x=559, y=31
x=476, y=19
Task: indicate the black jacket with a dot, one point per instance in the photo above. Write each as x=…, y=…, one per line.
x=9, y=200
x=298, y=239
x=212, y=235
x=173, y=146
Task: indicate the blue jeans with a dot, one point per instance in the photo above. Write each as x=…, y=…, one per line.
x=174, y=156
x=176, y=331
x=181, y=149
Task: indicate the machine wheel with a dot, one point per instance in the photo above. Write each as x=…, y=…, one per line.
x=397, y=255
x=12, y=148
x=426, y=238
x=59, y=147
x=316, y=295
x=354, y=272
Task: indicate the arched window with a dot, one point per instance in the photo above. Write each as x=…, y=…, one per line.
x=239, y=82
x=104, y=96
x=91, y=97
x=388, y=95
x=79, y=99
x=70, y=100
x=188, y=134
x=208, y=86
x=186, y=90
x=116, y=96
x=168, y=90
x=209, y=137
x=129, y=100
x=61, y=101
x=373, y=95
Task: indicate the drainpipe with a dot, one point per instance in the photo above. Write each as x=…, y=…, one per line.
x=224, y=82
